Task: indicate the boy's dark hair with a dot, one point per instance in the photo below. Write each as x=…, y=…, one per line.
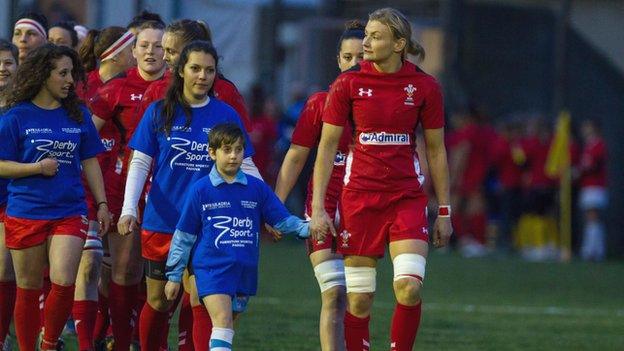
x=225, y=134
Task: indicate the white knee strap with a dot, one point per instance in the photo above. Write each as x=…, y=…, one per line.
x=361, y=279
x=409, y=265
x=329, y=274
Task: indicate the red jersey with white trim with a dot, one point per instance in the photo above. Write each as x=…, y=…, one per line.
x=385, y=110
x=121, y=98
x=307, y=133
x=593, y=165
x=223, y=89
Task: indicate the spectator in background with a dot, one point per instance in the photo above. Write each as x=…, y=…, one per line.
x=63, y=33
x=263, y=136
x=593, y=197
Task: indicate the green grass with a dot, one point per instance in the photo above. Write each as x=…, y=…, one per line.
x=469, y=304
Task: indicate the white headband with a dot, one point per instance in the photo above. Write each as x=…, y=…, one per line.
x=81, y=30
x=117, y=46
x=28, y=23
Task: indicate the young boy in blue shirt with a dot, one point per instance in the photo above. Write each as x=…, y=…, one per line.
x=219, y=231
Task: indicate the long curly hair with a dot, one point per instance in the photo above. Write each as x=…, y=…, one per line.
x=35, y=71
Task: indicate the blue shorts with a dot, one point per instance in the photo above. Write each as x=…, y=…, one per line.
x=230, y=279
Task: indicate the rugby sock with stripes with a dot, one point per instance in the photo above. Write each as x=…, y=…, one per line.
x=58, y=307
x=185, y=324
x=26, y=317
x=102, y=320
x=405, y=322
x=122, y=303
x=152, y=325
x=7, y=304
x=202, y=327
x=85, y=313
x=221, y=339
x=356, y=332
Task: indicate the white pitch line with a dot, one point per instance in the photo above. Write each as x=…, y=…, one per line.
x=471, y=308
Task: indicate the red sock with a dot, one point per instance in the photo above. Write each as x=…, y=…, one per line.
x=84, y=313
x=357, y=331
x=152, y=324
x=405, y=322
x=26, y=317
x=58, y=307
x=478, y=224
x=164, y=340
x=7, y=304
x=122, y=301
x=202, y=328
x=185, y=324
x=43, y=295
x=102, y=320
x=141, y=301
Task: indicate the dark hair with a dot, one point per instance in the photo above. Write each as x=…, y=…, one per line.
x=175, y=93
x=40, y=18
x=35, y=70
x=190, y=30
x=95, y=43
x=145, y=16
x=150, y=25
x=6, y=45
x=225, y=134
x=68, y=26
x=354, y=29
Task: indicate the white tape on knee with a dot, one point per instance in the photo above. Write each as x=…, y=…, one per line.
x=330, y=274
x=361, y=279
x=409, y=266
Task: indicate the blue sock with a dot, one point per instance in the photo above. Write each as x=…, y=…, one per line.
x=221, y=339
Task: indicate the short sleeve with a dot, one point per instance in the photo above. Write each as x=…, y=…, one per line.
x=273, y=210
x=90, y=142
x=104, y=103
x=9, y=137
x=432, y=114
x=309, y=125
x=144, y=138
x=338, y=104
x=190, y=218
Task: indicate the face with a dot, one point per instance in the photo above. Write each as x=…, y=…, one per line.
x=27, y=40
x=60, y=81
x=198, y=74
x=148, y=51
x=8, y=67
x=124, y=58
x=172, y=45
x=380, y=44
x=59, y=36
x=351, y=53
x=228, y=158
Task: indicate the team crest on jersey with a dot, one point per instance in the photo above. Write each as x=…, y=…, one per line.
x=344, y=236
x=367, y=92
x=136, y=97
x=340, y=159
x=409, y=90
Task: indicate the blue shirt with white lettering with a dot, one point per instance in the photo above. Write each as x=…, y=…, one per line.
x=4, y=183
x=29, y=134
x=226, y=217
x=180, y=158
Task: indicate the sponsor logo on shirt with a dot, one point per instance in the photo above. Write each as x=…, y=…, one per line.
x=344, y=236
x=71, y=130
x=249, y=204
x=38, y=131
x=340, y=159
x=216, y=205
x=235, y=232
x=181, y=129
x=383, y=138
x=108, y=143
x=367, y=92
x=62, y=151
x=410, y=89
x=136, y=97
x=191, y=155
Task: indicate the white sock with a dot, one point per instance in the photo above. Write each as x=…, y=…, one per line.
x=221, y=339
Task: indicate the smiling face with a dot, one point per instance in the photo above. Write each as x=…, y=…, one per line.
x=148, y=51
x=198, y=74
x=228, y=158
x=8, y=67
x=26, y=40
x=60, y=81
x=380, y=44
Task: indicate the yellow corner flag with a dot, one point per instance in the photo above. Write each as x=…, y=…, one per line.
x=558, y=165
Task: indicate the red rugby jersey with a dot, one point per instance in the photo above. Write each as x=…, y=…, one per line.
x=86, y=90
x=307, y=133
x=593, y=164
x=223, y=89
x=385, y=110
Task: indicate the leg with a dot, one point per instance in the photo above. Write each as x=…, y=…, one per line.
x=185, y=322
x=7, y=287
x=360, y=276
x=202, y=324
x=155, y=314
x=220, y=309
x=409, y=258
x=329, y=271
x=102, y=320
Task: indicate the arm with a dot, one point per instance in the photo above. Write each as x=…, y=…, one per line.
x=294, y=161
x=249, y=167
x=97, y=122
x=11, y=169
x=137, y=175
x=294, y=226
x=438, y=166
x=179, y=255
x=93, y=174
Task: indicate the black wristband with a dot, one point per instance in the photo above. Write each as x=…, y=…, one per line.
x=101, y=202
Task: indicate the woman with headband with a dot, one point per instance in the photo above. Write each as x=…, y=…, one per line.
x=119, y=99
x=47, y=140
x=112, y=47
x=30, y=32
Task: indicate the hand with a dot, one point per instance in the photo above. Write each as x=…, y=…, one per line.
x=48, y=167
x=442, y=230
x=171, y=290
x=127, y=224
x=104, y=219
x=319, y=225
x=277, y=235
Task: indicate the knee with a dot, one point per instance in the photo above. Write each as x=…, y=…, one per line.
x=409, y=271
x=89, y=271
x=158, y=301
x=359, y=304
x=334, y=299
x=407, y=291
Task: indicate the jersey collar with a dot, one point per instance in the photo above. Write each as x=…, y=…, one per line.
x=216, y=179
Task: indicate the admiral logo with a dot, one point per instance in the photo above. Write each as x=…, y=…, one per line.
x=340, y=159
x=249, y=204
x=216, y=205
x=409, y=90
x=38, y=131
x=383, y=138
x=367, y=92
x=71, y=130
x=135, y=97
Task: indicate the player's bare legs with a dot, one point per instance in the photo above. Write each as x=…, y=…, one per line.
x=333, y=304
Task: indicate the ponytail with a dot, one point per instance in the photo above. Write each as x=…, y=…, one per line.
x=87, y=50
